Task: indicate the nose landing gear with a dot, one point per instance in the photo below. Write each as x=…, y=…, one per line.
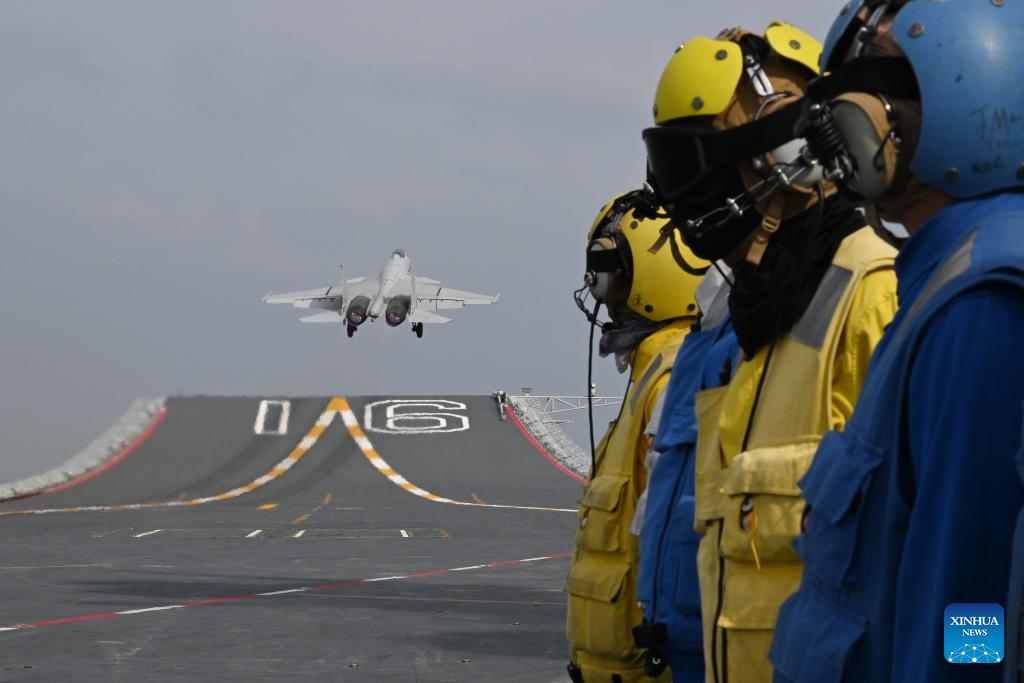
x=417, y=328
x=351, y=330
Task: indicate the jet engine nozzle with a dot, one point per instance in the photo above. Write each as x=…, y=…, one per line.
x=398, y=309
x=356, y=314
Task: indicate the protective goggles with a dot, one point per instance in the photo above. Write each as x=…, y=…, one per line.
x=685, y=161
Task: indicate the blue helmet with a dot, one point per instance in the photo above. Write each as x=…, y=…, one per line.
x=965, y=56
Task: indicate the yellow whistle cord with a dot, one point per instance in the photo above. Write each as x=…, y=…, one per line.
x=753, y=538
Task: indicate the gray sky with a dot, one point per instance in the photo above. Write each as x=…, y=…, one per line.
x=166, y=164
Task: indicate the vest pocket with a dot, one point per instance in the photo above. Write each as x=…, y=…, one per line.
x=600, y=616
x=598, y=524
x=834, y=486
x=750, y=608
x=762, y=507
x=816, y=640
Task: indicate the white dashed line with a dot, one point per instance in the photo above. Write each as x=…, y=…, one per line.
x=148, y=609
x=290, y=590
x=148, y=533
x=232, y=599
x=254, y=534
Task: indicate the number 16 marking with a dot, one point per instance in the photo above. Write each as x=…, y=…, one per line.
x=284, y=412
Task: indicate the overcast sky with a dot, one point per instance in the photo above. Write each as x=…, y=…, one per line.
x=166, y=164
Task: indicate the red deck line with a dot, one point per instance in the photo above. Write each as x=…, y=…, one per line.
x=540, y=449
x=131, y=448
x=256, y=596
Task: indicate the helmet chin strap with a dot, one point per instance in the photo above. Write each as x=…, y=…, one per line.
x=770, y=223
x=869, y=30
x=781, y=176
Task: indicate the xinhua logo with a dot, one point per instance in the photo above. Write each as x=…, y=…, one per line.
x=973, y=633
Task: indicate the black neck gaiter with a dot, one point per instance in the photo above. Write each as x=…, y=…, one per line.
x=767, y=300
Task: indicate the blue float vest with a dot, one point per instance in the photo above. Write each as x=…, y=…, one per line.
x=667, y=580
x=839, y=625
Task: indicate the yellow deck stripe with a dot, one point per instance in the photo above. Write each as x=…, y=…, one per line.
x=336, y=406
x=280, y=468
x=367, y=449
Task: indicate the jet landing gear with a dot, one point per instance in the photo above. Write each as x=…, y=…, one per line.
x=351, y=330
x=418, y=329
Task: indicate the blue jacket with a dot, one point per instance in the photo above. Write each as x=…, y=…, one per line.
x=667, y=578
x=912, y=507
x=1015, y=600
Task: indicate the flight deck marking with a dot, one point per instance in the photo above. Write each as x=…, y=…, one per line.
x=104, y=534
x=307, y=442
x=352, y=424
x=405, y=422
x=260, y=427
x=303, y=517
x=147, y=533
x=289, y=591
x=336, y=406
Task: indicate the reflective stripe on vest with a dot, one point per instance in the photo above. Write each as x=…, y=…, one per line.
x=750, y=510
x=956, y=265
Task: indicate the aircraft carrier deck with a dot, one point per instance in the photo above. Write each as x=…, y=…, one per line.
x=334, y=538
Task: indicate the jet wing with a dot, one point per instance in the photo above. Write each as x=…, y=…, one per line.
x=421, y=316
x=433, y=297
x=331, y=298
x=324, y=297
x=328, y=317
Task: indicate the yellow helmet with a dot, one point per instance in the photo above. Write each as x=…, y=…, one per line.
x=622, y=267
x=712, y=88
x=703, y=78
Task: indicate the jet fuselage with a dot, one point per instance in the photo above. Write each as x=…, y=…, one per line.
x=397, y=269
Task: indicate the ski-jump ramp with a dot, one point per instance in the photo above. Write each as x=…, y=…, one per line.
x=332, y=538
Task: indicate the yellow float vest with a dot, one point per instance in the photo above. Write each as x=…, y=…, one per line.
x=749, y=508
x=602, y=578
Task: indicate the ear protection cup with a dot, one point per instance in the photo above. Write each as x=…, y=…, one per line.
x=867, y=126
x=608, y=286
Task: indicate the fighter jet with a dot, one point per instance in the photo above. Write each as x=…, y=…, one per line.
x=396, y=293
